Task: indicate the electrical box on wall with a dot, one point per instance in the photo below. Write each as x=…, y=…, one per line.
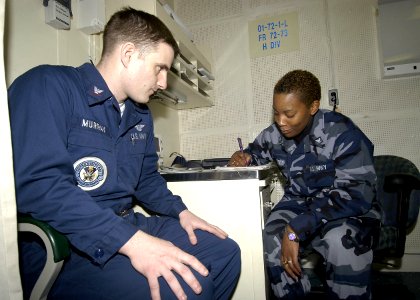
x=333, y=97
x=402, y=70
x=57, y=14
x=399, y=40
x=91, y=16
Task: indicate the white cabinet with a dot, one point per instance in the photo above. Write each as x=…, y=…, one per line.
x=184, y=79
x=239, y=207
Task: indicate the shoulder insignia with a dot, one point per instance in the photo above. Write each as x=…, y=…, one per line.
x=91, y=173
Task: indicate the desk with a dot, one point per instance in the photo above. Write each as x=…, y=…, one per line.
x=238, y=201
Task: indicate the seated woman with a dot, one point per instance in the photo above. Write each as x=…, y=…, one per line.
x=328, y=164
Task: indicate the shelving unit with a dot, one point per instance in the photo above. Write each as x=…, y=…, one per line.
x=187, y=86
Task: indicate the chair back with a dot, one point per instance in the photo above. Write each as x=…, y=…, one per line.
x=399, y=202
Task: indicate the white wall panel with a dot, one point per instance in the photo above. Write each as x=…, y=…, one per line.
x=338, y=43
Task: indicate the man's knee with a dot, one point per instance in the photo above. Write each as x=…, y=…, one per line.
x=233, y=255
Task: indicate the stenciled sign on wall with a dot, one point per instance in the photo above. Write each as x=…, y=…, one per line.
x=274, y=35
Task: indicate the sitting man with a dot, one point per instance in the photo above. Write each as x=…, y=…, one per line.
x=328, y=164
x=84, y=156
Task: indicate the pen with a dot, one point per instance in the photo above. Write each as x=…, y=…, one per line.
x=240, y=144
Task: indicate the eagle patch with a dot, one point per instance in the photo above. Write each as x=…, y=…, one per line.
x=90, y=172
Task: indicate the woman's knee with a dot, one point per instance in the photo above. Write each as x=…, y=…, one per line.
x=348, y=236
x=341, y=247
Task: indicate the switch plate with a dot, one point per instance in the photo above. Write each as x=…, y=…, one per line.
x=333, y=97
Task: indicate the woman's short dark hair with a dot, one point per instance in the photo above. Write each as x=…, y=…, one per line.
x=138, y=27
x=301, y=83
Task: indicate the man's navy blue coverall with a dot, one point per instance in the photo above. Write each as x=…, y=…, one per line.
x=81, y=167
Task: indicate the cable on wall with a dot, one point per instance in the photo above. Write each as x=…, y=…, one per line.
x=332, y=91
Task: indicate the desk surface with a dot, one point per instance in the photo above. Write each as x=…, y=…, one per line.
x=219, y=173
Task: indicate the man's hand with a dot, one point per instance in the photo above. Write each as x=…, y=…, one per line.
x=190, y=222
x=289, y=255
x=154, y=257
x=239, y=159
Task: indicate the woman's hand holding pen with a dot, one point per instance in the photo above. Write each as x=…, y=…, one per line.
x=239, y=159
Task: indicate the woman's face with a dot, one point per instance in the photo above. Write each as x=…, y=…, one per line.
x=291, y=114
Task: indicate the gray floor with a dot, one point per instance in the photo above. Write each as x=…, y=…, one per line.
x=386, y=286
x=396, y=285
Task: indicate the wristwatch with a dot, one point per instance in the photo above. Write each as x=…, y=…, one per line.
x=292, y=237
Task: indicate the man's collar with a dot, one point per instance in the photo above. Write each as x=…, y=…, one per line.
x=96, y=87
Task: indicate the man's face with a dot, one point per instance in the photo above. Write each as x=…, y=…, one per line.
x=147, y=73
x=291, y=114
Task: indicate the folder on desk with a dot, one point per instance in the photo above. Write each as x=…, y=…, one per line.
x=212, y=163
